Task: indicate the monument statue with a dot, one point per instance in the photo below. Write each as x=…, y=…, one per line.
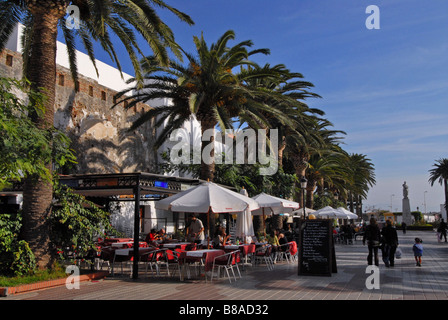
x=405, y=190
x=407, y=218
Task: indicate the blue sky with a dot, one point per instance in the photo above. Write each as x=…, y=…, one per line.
x=387, y=88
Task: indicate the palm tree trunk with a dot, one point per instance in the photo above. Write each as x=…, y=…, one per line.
x=445, y=185
x=208, y=164
x=310, y=194
x=37, y=193
x=300, y=165
x=281, y=149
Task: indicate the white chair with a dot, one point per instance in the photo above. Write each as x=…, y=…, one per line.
x=227, y=262
x=264, y=254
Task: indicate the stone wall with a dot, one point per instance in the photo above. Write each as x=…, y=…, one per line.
x=99, y=134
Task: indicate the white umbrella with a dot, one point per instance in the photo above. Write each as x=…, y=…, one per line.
x=244, y=224
x=299, y=212
x=330, y=213
x=273, y=205
x=349, y=214
x=208, y=198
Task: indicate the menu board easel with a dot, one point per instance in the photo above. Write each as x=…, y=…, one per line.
x=316, y=248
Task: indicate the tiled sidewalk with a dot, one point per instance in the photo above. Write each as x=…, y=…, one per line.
x=405, y=281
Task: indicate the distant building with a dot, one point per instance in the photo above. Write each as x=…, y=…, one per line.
x=99, y=134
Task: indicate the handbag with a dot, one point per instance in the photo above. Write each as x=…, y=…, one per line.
x=398, y=253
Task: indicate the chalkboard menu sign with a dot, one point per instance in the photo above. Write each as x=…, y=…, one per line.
x=316, y=248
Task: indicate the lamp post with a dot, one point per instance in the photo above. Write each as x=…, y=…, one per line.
x=303, y=182
x=391, y=196
x=424, y=200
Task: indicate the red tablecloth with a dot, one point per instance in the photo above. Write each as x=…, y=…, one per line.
x=244, y=248
x=207, y=256
x=174, y=245
x=130, y=244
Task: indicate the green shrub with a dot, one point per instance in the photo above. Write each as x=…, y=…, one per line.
x=16, y=257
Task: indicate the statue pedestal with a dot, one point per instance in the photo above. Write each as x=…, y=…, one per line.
x=407, y=217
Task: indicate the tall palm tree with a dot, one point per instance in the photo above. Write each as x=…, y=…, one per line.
x=318, y=137
x=212, y=86
x=98, y=21
x=325, y=169
x=295, y=121
x=440, y=173
x=362, y=178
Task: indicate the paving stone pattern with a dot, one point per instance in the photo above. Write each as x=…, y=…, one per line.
x=405, y=281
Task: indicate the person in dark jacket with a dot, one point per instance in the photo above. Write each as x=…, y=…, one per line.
x=390, y=240
x=372, y=235
x=442, y=229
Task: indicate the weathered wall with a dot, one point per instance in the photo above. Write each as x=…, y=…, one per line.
x=99, y=133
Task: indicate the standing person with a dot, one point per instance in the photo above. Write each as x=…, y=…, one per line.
x=442, y=229
x=195, y=231
x=372, y=235
x=390, y=239
x=403, y=226
x=418, y=251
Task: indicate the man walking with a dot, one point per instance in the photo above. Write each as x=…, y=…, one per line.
x=442, y=229
x=390, y=239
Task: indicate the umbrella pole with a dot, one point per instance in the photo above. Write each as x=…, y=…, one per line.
x=264, y=224
x=208, y=228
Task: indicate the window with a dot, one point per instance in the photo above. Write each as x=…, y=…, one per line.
x=61, y=80
x=103, y=95
x=91, y=91
x=9, y=59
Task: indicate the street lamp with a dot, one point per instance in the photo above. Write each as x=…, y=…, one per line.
x=391, y=196
x=424, y=200
x=303, y=182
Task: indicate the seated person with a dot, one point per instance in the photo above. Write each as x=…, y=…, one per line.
x=152, y=237
x=282, y=241
x=161, y=235
x=220, y=238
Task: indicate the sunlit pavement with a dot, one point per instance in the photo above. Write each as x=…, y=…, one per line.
x=405, y=281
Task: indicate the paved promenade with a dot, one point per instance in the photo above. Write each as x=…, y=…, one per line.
x=405, y=281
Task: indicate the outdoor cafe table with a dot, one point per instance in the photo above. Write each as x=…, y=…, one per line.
x=127, y=251
x=108, y=241
x=174, y=245
x=206, y=255
x=245, y=249
x=128, y=244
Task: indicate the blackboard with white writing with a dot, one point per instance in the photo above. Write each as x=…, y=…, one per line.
x=316, y=248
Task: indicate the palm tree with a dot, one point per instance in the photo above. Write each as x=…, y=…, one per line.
x=318, y=137
x=212, y=86
x=440, y=173
x=294, y=121
x=362, y=178
x=99, y=20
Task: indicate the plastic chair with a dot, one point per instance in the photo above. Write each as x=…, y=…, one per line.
x=170, y=259
x=265, y=254
x=122, y=259
x=227, y=262
x=283, y=252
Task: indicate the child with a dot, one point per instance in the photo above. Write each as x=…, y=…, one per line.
x=418, y=251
